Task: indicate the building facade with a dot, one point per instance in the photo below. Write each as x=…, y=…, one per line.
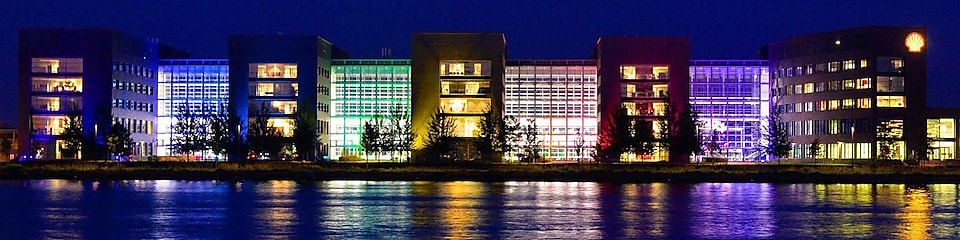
x=731, y=98
x=266, y=75
x=200, y=86
x=851, y=89
x=643, y=76
x=366, y=90
x=560, y=97
x=105, y=76
x=460, y=75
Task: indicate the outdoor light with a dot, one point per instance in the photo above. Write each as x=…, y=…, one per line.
x=837, y=42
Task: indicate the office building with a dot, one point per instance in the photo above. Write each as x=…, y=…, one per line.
x=459, y=74
x=644, y=76
x=200, y=86
x=363, y=90
x=842, y=87
x=560, y=97
x=266, y=74
x=731, y=98
x=105, y=76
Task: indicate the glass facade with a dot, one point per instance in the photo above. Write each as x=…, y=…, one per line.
x=200, y=85
x=561, y=97
x=57, y=88
x=732, y=100
x=363, y=89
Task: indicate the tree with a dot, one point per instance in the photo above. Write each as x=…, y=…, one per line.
x=72, y=135
x=372, y=139
x=579, y=145
x=688, y=139
x=531, y=143
x=439, y=140
x=776, y=136
x=494, y=136
x=400, y=132
x=6, y=144
x=642, y=140
x=305, y=137
x=190, y=132
x=713, y=145
x=814, y=150
x=118, y=140
x=264, y=139
x=929, y=148
x=616, y=137
x=220, y=135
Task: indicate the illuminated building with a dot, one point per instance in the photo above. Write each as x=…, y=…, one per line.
x=266, y=74
x=560, y=96
x=200, y=85
x=105, y=75
x=460, y=74
x=731, y=98
x=10, y=134
x=362, y=90
x=644, y=76
x=837, y=87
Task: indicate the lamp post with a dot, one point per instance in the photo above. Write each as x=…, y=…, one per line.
x=95, y=142
x=851, y=142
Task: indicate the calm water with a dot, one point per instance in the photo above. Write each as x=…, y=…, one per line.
x=528, y=210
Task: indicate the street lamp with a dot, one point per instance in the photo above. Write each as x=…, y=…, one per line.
x=851, y=142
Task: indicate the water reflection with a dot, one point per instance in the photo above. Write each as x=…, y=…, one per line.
x=51, y=209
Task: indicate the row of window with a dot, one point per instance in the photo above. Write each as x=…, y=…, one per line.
x=883, y=84
x=553, y=80
x=725, y=90
x=728, y=110
x=835, y=66
x=371, y=78
x=132, y=105
x=132, y=69
x=831, y=127
x=132, y=87
x=136, y=125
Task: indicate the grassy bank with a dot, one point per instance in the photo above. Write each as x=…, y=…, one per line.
x=505, y=172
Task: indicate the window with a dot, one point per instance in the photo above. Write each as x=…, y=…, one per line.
x=849, y=84
x=889, y=64
x=464, y=105
x=273, y=70
x=891, y=101
x=460, y=68
x=56, y=65
x=889, y=84
x=821, y=67
x=645, y=72
x=942, y=128
x=864, y=103
x=849, y=65
x=833, y=66
x=834, y=104
x=808, y=87
x=863, y=63
x=57, y=84
x=848, y=103
x=863, y=83
x=834, y=85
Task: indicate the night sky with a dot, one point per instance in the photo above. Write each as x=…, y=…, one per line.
x=534, y=29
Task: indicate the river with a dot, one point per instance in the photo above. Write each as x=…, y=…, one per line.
x=50, y=209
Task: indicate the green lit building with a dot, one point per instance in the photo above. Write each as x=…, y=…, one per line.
x=363, y=90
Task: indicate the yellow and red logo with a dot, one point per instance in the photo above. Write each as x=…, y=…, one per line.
x=914, y=42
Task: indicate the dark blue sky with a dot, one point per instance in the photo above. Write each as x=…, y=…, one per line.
x=534, y=29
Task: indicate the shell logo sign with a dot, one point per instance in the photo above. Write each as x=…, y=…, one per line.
x=914, y=42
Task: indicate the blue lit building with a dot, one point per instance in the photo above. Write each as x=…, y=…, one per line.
x=200, y=85
x=732, y=99
x=105, y=75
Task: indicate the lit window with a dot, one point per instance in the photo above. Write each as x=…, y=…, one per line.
x=849, y=64
x=56, y=65
x=57, y=84
x=891, y=101
x=942, y=128
x=456, y=69
x=889, y=64
x=264, y=89
x=834, y=66
x=822, y=105
x=808, y=87
x=834, y=104
x=889, y=84
x=477, y=69
x=849, y=84
x=645, y=72
x=863, y=83
x=273, y=70
x=863, y=63
x=864, y=103
x=848, y=103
